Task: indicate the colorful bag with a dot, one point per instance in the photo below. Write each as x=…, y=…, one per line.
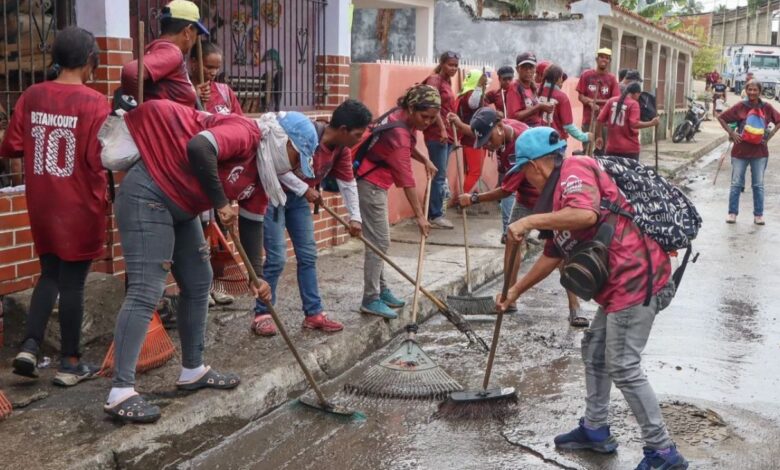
x=754, y=126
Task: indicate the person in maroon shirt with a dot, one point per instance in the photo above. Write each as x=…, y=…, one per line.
x=165, y=68
x=612, y=347
x=389, y=162
x=595, y=87
x=561, y=118
x=438, y=137
x=218, y=98
x=497, y=98
x=54, y=128
x=744, y=154
x=332, y=158
x=521, y=99
x=622, y=126
x=469, y=100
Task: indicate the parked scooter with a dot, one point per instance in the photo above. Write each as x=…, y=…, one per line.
x=692, y=122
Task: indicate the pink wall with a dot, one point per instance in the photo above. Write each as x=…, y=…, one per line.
x=380, y=85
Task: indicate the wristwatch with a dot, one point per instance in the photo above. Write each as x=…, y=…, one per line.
x=475, y=197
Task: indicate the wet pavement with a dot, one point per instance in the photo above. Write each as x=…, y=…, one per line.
x=711, y=359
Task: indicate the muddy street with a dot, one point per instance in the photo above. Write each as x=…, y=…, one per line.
x=710, y=358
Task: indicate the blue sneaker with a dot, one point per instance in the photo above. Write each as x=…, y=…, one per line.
x=598, y=440
x=663, y=460
x=390, y=299
x=379, y=308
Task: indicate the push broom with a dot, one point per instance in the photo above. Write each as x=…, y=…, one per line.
x=485, y=402
x=408, y=372
x=320, y=402
x=467, y=303
x=453, y=316
x=157, y=348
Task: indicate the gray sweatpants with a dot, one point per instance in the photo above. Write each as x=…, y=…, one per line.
x=158, y=237
x=376, y=229
x=612, y=351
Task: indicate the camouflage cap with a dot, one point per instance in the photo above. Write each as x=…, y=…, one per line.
x=422, y=96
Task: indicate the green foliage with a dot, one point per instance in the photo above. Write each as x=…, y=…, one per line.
x=522, y=7
x=705, y=60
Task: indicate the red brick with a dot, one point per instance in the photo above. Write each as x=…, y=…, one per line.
x=19, y=203
x=112, y=74
x=7, y=272
x=14, y=221
x=23, y=237
x=5, y=204
x=28, y=269
x=16, y=254
x=16, y=285
x=114, y=44
x=115, y=58
x=6, y=239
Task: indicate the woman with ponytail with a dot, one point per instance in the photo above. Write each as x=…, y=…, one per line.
x=620, y=115
x=438, y=137
x=54, y=127
x=561, y=118
x=389, y=162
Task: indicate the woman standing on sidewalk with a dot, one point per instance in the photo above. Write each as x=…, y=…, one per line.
x=388, y=162
x=54, y=128
x=438, y=137
x=621, y=117
x=750, y=148
x=469, y=100
x=561, y=117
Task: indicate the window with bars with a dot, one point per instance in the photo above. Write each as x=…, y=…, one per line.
x=27, y=30
x=679, y=96
x=270, y=48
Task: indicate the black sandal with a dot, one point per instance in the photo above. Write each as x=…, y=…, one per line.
x=578, y=321
x=133, y=410
x=211, y=379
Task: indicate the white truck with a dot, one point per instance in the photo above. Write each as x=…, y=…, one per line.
x=761, y=60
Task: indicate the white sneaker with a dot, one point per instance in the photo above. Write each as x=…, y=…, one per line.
x=222, y=299
x=212, y=302
x=441, y=222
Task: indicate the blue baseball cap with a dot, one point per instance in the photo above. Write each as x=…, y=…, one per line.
x=535, y=143
x=303, y=135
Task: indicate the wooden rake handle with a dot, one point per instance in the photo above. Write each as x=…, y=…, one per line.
x=255, y=281
x=461, y=170
x=421, y=256
x=500, y=315
x=141, y=46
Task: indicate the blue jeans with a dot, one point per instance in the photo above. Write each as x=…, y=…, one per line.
x=440, y=156
x=506, y=206
x=295, y=216
x=157, y=238
x=738, y=169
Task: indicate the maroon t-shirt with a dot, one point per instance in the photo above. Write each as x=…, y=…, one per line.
x=161, y=129
x=561, y=115
x=582, y=186
x=520, y=98
x=597, y=86
x=432, y=132
x=496, y=98
x=737, y=114
x=168, y=78
x=506, y=154
x=223, y=100
x=54, y=127
x=622, y=138
x=526, y=194
x=336, y=162
x=393, y=155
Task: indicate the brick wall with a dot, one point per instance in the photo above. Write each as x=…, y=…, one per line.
x=18, y=260
x=332, y=78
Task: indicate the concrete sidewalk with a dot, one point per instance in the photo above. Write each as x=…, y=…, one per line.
x=56, y=428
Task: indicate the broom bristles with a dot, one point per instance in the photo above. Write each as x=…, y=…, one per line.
x=498, y=408
x=155, y=352
x=6, y=408
x=471, y=305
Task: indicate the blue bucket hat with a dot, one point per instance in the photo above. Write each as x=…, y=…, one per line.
x=535, y=143
x=301, y=132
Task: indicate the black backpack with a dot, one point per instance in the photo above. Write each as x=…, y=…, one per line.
x=370, y=138
x=647, y=107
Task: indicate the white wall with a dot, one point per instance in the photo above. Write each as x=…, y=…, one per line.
x=104, y=18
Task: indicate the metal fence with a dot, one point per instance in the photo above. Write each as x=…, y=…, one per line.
x=270, y=47
x=27, y=30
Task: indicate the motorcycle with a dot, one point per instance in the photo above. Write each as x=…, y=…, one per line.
x=691, y=124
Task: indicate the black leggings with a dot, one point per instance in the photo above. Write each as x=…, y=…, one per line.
x=67, y=279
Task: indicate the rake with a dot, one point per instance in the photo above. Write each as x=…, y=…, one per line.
x=468, y=303
x=453, y=316
x=320, y=402
x=229, y=277
x=6, y=408
x=156, y=350
x=485, y=402
x=408, y=372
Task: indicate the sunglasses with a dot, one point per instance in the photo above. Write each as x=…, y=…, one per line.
x=451, y=55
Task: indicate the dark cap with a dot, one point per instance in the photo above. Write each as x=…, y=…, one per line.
x=526, y=58
x=482, y=124
x=506, y=71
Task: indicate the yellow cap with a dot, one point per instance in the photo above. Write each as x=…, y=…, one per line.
x=604, y=51
x=185, y=10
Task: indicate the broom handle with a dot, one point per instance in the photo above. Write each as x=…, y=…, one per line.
x=592, y=143
x=141, y=46
x=201, y=75
x=439, y=304
x=503, y=102
x=421, y=256
x=720, y=163
x=499, y=316
x=461, y=168
x=255, y=281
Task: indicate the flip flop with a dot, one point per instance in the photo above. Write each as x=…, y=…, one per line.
x=578, y=321
x=133, y=410
x=211, y=379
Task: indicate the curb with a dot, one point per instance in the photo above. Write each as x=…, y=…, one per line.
x=696, y=155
